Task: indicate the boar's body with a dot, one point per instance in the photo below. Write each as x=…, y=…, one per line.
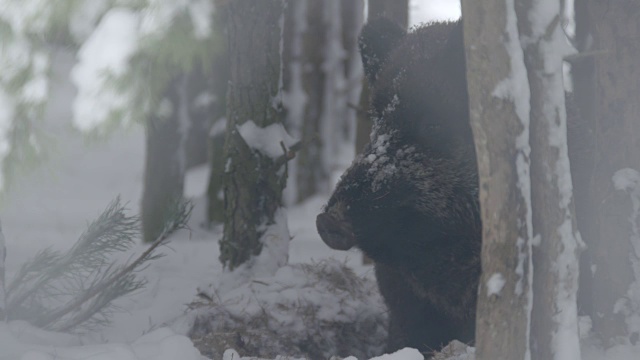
x=410, y=200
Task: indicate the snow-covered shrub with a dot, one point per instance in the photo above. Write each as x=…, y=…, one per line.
x=305, y=310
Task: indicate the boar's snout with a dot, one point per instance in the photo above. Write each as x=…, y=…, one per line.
x=337, y=234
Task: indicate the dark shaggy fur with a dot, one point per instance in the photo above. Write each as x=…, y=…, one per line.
x=410, y=201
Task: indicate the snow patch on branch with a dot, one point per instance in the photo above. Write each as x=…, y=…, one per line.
x=266, y=140
x=26, y=16
x=159, y=15
x=83, y=20
x=36, y=90
x=104, y=57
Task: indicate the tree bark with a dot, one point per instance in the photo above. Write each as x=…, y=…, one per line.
x=500, y=124
x=217, y=117
x=582, y=150
x=615, y=105
x=312, y=169
x=253, y=181
x=555, y=259
x=164, y=162
x=323, y=75
x=175, y=136
x=3, y=294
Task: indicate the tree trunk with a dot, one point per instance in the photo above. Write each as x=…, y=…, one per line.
x=615, y=105
x=174, y=143
x=165, y=160
x=555, y=259
x=217, y=117
x=253, y=180
x=498, y=103
x=582, y=147
x=3, y=257
x=322, y=77
x=312, y=171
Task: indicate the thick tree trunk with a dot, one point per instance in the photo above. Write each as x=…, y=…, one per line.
x=615, y=105
x=555, y=259
x=253, y=180
x=498, y=98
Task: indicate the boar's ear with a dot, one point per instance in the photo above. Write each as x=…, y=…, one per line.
x=377, y=40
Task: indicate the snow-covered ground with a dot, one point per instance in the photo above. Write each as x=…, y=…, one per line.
x=52, y=205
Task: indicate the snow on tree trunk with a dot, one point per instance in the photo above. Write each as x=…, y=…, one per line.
x=614, y=33
x=255, y=229
x=554, y=326
x=500, y=123
x=3, y=256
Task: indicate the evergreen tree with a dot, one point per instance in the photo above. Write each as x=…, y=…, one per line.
x=139, y=61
